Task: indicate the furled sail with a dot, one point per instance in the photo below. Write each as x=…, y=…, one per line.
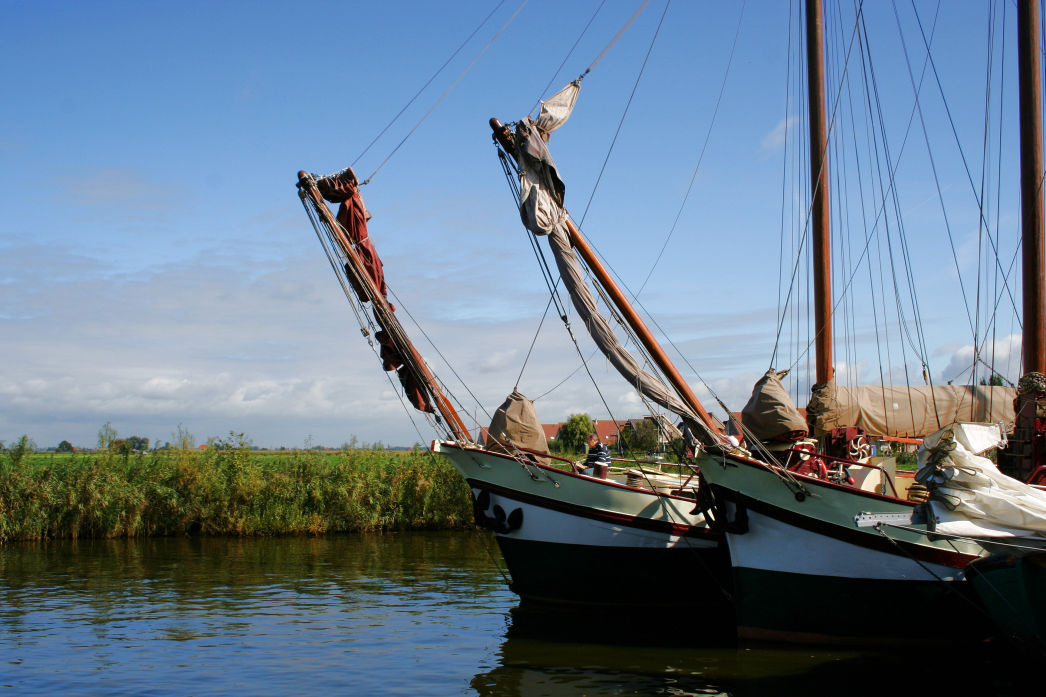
x=541, y=208
x=770, y=413
x=516, y=425
x=969, y=496
x=910, y=412
x=348, y=241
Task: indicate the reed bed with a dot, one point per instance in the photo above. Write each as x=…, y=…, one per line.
x=227, y=492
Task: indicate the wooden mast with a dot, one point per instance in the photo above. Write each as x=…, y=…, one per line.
x=821, y=246
x=1029, y=77
x=651, y=344
x=383, y=312
x=1026, y=449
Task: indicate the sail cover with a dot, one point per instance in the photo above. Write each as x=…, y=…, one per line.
x=541, y=208
x=969, y=495
x=515, y=425
x=910, y=412
x=770, y=413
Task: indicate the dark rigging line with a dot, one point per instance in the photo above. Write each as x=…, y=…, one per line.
x=447, y=92
x=704, y=148
x=570, y=53
x=621, y=123
x=426, y=85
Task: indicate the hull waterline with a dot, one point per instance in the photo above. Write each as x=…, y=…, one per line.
x=805, y=570
x=587, y=543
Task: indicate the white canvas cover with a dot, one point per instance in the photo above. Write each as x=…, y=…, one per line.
x=970, y=496
x=515, y=425
x=911, y=412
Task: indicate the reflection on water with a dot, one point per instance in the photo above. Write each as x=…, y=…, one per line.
x=371, y=614
x=394, y=614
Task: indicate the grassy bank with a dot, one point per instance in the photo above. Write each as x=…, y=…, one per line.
x=226, y=492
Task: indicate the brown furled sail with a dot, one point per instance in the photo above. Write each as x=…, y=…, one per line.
x=364, y=271
x=770, y=414
x=515, y=425
x=913, y=412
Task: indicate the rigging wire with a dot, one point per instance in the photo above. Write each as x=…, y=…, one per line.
x=933, y=163
x=584, y=31
x=613, y=41
x=635, y=87
x=439, y=353
x=367, y=325
x=809, y=210
x=704, y=148
x=969, y=177
x=447, y=92
x=430, y=80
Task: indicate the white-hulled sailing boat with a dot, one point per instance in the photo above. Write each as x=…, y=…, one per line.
x=815, y=558
x=566, y=538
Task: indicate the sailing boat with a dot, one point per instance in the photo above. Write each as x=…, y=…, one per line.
x=562, y=534
x=847, y=564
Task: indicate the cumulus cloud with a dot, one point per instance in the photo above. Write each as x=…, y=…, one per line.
x=1002, y=356
x=775, y=139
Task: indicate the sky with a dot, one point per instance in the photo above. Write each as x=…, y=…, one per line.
x=158, y=271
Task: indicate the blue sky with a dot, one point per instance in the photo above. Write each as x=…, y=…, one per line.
x=158, y=268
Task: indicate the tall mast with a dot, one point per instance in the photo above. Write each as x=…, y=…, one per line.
x=822, y=255
x=1031, y=186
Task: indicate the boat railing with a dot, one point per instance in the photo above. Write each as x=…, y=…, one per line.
x=620, y=465
x=845, y=462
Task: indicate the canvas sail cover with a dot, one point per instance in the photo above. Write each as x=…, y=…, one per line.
x=541, y=207
x=541, y=187
x=969, y=495
x=910, y=412
x=515, y=425
x=770, y=413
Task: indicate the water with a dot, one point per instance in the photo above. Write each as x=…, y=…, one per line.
x=394, y=614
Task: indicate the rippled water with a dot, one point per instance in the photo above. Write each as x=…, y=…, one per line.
x=394, y=614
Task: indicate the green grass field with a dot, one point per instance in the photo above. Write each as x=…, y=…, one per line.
x=227, y=492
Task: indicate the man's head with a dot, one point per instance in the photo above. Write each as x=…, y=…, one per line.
x=591, y=439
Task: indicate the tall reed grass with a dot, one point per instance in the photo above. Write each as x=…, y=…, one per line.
x=227, y=492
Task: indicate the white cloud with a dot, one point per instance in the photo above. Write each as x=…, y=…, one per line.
x=775, y=139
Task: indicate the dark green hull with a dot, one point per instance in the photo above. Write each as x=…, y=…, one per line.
x=685, y=579
x=804, y=608
x=1013, y=591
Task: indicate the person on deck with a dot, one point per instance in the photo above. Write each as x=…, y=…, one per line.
x=598, y=461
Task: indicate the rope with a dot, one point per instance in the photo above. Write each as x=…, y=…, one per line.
x=619, y=34
x=704, y=147
x=447, y=92
x=958, y=144
x=526, y=359
x=635, y=86
x=569, y=54
x=443, y=358
x=426, y=85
